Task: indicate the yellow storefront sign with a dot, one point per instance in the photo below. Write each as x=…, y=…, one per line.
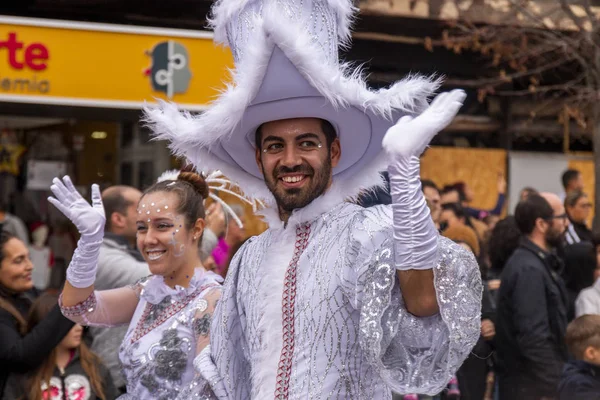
x=103, y=65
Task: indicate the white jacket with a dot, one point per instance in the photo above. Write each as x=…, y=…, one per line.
x=588, y=301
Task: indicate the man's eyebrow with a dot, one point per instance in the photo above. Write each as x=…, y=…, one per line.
x=308, y=136
x=272, y=138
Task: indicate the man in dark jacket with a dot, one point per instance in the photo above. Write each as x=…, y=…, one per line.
x=532, y=305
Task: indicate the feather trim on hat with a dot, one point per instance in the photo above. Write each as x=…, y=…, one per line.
x=223, y=11
x=197, y=137
x=340, y=85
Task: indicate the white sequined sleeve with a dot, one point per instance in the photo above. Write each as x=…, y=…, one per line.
x=105, y=308
x=412, y=354
x=229, y=378
x=200, y=388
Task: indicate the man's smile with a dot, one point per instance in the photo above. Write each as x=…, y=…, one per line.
x=291, y=181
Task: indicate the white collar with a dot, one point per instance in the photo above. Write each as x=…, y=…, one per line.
x=334, y=196
x=155, y=289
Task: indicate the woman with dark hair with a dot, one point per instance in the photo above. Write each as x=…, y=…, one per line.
x=168, y=313
x=22, y=350
x=503, y=241
x=71, y=371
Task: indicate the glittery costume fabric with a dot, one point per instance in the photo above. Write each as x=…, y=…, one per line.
x=352, y=336
x=160, y=345
x=169, y=327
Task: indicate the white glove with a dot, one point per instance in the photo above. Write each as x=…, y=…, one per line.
x=89, y=220
x=415, y=234
x=410, y=136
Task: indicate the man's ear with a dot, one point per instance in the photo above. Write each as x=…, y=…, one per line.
x=117, y=220
x=335, y=152
x=541, y=225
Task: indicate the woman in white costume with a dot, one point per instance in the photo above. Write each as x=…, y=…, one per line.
x=168, y=313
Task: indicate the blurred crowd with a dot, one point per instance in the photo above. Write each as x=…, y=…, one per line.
x=540, y=314
x=43, y=355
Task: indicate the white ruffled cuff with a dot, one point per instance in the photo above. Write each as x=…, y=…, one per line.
x=84, y=264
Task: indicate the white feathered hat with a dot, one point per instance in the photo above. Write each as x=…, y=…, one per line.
x=286, y=66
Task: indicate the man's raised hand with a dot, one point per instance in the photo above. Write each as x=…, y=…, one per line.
x=410, y=136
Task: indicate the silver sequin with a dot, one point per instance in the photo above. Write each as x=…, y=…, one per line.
x=353, y=337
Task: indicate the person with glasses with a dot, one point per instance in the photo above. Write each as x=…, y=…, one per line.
x=578, y=207
x=532, y=304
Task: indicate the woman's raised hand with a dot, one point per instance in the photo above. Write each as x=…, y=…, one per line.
x=89, y=219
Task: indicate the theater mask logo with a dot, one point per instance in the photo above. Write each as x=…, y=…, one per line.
x=169, y=72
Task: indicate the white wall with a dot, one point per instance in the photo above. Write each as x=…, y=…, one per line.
x=541, y=171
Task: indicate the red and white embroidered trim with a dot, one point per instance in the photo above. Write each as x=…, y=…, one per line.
x=86, y=306
x=288, y=303
x=142, y=328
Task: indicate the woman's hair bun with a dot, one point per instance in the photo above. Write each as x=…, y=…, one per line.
x=196, y=180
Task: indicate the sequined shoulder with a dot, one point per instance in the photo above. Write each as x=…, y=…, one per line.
x=374, y=221
x=139, y=285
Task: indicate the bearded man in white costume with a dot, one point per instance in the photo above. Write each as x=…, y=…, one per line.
x=333, y=301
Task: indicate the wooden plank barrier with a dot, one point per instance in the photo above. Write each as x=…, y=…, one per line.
x=478, y=168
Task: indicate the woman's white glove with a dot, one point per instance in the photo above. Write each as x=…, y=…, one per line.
x=415, y=234
x=89, y=220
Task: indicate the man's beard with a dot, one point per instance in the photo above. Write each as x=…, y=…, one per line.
x=294, y=198
x=554, y=238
